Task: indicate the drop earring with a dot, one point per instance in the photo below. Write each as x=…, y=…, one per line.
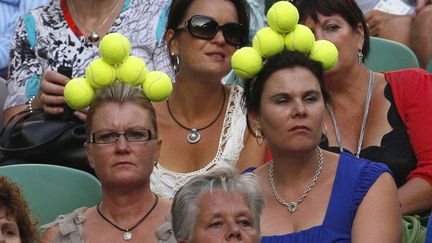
x=360, y=57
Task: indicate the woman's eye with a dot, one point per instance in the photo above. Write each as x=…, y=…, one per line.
x=216, y=224
x=282, y=100
x=311, y=98
x=11, y=233
x=331, y=27
x=245, y=222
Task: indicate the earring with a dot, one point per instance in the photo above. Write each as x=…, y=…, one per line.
x=176, y=61
x=324, y=134
x=360, y=57
x=259, y=136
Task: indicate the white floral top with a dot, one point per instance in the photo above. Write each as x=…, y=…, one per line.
x=166, y=183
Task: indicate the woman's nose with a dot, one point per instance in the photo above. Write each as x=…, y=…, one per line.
x=122, y=143
x=233, y=233
x=299, y=109
x=219, y=37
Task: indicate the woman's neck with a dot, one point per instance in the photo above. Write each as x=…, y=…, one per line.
x=197, y=98
x=348, y=87
x=291, y=168
x=123, y=205
x=94, y=12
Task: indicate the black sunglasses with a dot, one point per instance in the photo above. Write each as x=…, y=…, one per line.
x=206, y=28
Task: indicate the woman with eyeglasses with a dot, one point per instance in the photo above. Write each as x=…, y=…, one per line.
x=313, y=195
x=383, y=117
x=202, y=123
x=122, y=147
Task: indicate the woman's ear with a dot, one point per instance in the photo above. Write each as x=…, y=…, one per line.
x=171, y=42
x=89, y=155
x=253, y=121
x=360, y=33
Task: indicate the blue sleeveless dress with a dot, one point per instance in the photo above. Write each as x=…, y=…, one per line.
x=353, y=179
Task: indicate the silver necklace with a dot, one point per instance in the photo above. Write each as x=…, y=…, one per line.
x=293, y=206
x=364, y=121
x=194, y=136
x=127, y=235
x=93, y=37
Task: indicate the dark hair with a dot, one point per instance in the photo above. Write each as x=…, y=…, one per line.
x=347, y=9
x=120, y=93
x=178, y=9
x=287, y=59
x=16, y=207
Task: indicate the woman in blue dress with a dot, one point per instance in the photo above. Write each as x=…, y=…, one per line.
x=313, y=195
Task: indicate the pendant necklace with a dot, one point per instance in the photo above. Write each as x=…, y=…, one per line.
x=293, y=206
x=93, y=37
x=194, y=135
x=364, y=120
x=127, y=235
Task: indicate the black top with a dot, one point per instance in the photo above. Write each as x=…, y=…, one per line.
x=395, y=150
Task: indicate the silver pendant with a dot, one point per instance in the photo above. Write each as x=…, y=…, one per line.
x=292, y=207
x=127, y=236
x=93, y=37
x=193, y=136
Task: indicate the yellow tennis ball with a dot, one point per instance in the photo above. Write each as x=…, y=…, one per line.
x=246, y=62
x=114, y=48
x=300, y=39
x=268, y=42
x=78, y=93
x=100, y=74
x=325, y=52
x=133, y=71
x=157, y=86
x=282, y=16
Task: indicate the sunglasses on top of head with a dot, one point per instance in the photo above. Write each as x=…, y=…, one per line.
x=206, y=28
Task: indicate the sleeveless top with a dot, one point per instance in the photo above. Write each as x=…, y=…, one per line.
x=395, y=149
x=71, y=228
x=353, y=179
x=166, y=183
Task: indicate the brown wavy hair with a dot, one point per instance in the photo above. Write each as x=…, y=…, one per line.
x=16, y=207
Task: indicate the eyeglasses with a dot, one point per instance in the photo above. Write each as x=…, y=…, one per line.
x=206, y=28
x=132, y=136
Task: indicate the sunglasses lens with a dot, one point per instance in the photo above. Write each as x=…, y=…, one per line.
x=234, y=33
x=203, y=27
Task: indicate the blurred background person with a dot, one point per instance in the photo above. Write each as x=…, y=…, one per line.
x=220, y=206
x=406, y=21
x=67, y=33
x=10, y=11
x=16, y=222
x=381, y=117
x=313, y=195
x=202, y=123
x=122, y=147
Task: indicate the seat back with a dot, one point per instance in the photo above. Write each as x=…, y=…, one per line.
x=386, y=55
x=52, y=190
x=429, y=66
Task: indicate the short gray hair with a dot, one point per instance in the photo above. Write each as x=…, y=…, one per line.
x=120, y=93
x=184, y=210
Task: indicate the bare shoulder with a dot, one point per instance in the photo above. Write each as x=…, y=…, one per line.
x=50, y=234
x=164, y=205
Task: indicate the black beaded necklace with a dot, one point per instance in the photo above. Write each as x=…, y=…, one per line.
x=128, y=232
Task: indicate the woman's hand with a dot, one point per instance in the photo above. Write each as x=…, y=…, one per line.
x=376, y=21
x=51, y=94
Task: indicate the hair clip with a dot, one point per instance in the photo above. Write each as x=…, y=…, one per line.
x=116, y=64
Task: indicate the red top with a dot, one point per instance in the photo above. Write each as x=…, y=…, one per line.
x=412, y=92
